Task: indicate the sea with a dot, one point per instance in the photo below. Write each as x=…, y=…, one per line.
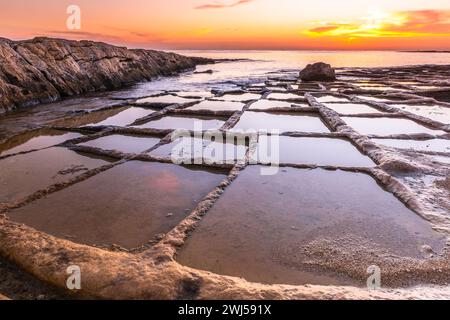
x=257, y=66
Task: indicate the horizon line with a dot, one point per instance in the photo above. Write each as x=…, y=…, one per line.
x=131, y=46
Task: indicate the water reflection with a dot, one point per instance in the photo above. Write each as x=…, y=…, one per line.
x=127, y=205
x=259, y=227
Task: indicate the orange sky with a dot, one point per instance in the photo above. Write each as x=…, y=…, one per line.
x=239, y=24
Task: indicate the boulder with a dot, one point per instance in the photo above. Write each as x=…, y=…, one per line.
x=318, y=72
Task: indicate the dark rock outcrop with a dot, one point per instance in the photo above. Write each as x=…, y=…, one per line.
x=44, y=69
x=205, y=72
x=438, y=94
x=318, y=72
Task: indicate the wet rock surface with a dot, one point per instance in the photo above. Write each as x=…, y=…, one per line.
x=43, y=69
x=412, y=251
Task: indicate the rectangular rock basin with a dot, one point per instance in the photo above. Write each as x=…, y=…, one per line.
x=316, y=151
x=276, y=88
x=204, y=150
x=127, y=205
x=22, y=175
x=240, y=97
x=435, y=145
x=268, y=104
x=36, y=140
x=433, y=112
x=441, y=159
x=183, y=122
x=370, y=85
x=330, y=98
x=376, y=99
x=194, y=94
x=213, y=105
x=163, y=100
x=284, y=122
x=261, y=226
x=380, y=88
x=285, y=96
x=428, y=87
x=90, y=119
x=351, y=108
x=387, y=126
x=125, y=117
x=123, y=143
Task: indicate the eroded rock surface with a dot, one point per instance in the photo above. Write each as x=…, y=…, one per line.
x=44, y=70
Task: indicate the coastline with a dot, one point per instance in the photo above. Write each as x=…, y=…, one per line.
x=154, y=270
x=44, y=255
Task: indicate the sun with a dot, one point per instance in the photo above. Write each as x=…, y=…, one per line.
x=377, y=19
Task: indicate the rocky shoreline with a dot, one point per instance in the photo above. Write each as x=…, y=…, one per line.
x=154, y=270
x=43, y=70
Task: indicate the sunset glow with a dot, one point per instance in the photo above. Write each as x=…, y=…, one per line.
x=426, y=23
x=239, y=24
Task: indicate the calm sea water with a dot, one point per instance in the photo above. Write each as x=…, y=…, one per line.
x=298, y=59
x=259, y=65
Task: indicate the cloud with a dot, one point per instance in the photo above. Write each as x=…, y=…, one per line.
x=135, y=39
x=139, y=34
x=400, y=24
x=324, y=29
x=221, y=5
x=425, y=21
x=81, y=35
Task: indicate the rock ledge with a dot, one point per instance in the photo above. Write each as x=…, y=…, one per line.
x=45, y=69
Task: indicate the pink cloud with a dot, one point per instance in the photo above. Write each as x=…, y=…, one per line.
x=405, y=23
x=217, y=5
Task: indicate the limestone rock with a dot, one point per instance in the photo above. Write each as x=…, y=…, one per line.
x=318, y=72
x=2, y=297
x=44, y=69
